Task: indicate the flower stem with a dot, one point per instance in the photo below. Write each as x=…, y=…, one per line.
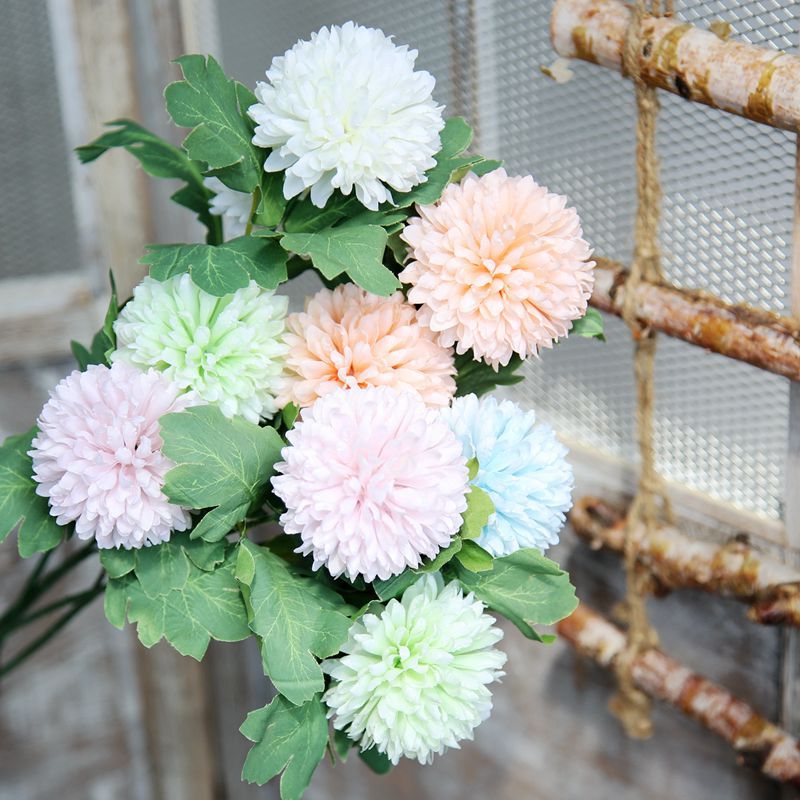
x=253, y=206
x=78, y=602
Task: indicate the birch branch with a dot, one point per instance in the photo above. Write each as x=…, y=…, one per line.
x=677, y=561
x=759, y=743
x=759, y=83
x=759, y=337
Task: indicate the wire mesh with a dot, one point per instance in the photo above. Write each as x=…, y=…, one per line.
x=721, y=425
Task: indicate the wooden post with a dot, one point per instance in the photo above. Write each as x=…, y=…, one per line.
x=759, y=83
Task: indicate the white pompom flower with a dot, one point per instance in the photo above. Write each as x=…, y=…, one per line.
x=373, y=481
x=229, y=350
x=346, y=110
x=97, y=456
x=234, y=207
x=414, y=680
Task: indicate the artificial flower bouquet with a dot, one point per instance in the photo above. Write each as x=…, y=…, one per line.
x=407, y=504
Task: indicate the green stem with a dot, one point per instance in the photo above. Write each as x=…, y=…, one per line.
x=253, y=206
x=50, y=607
x=50, y=632
x=36, y=586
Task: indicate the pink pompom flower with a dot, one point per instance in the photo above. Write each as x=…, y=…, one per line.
x=97, y=457
x=373, y=481
x=499, y=265
x=349, y=337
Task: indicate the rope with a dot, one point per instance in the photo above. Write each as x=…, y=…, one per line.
x=630, y=705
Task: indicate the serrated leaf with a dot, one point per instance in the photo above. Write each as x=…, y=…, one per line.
x=525, y=587
x=215, y=107
x=342, y=744
x=354, y=250
x=158, y=158
x=20, y=506
x=479, y=508
x=486, y=165
x=590, y=325
x=450, y=165
x=378, y=762
x=289, y=414
x=162, y=568
x=117, y=561
x=205, y=555
x=474, y=557
x=206, y=605
x=289, y=739
x=298, y=619
x=478, y=377
x=105, y=339
x=115, y=601
x=271, y=203
x=394, y=586
x=219, y=462
x=305, y=217
x=220, y=269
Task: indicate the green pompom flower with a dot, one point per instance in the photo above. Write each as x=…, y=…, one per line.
x=413, y=680
x=229, y=350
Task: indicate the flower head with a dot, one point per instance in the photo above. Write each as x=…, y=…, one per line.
x=229, y=349
x=522, y=467
x=97, y=457
x=347, y=110
x=414, y=679
x=234, y=207
x=373, y=480
x=349, y=337
x=499, y=266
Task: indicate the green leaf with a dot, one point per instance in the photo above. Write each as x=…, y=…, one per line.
x=105, y=340
x=297, y=619
x=19, y=503
x=117, y=561
x=375, y=760
x=486, y=165
x=394, y=586
x=219, y=462
x=221, y=269
x=215, y=107
x=356, y=250
x=526, y=587
x=590, y=325
x=450, y=165
x=159, y=158
x=289, y=739
x=479, y=508
x=289, y=414
x=205, y=555
x=190, y=608
x=478, y=377
x=444, y=556
x=271, y=203
x=305, y=217
x=342, y=744
x=474, y=557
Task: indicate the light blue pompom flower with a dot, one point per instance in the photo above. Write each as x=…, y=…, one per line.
x=522, y=467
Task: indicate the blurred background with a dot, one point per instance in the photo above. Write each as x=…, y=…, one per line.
x=96, y=716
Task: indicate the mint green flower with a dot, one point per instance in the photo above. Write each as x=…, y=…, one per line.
x=413, y=680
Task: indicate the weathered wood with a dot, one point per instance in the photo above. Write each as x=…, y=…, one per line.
x=677, y=561
x=759, y=743
x=759, y=83
x=756, y=336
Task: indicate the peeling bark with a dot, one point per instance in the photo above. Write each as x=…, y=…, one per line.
x=676, y=561
x=759, y=337
x=759, y=743
x=759, y=83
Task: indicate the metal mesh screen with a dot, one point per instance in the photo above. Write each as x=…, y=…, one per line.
x=37, y=231
x=728, y=197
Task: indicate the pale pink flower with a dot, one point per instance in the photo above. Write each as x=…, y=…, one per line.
x=97, y=457
x=373, y=481
x=498, y=266
x=349, y=337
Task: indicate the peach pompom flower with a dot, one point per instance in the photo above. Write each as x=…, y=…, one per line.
x=499, y=265
x=373, y=481
x=349, y=337
x=97, y=457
